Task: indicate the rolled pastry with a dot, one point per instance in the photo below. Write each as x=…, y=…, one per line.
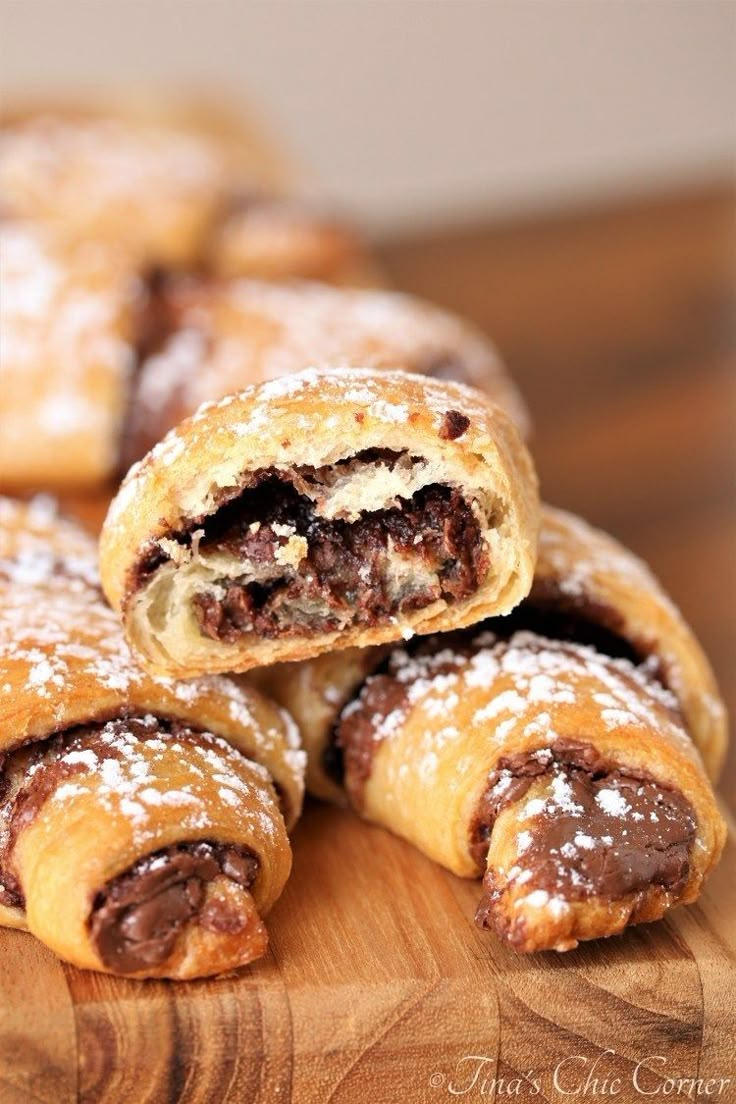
x=592, y=583
x=330, y=507
x=67, y=324
x=216, y=337
x=150, y=190
x=564, y=774
x=510, y=733
x=143, y=822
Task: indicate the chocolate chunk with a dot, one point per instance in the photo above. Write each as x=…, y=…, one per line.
x=239, y=866
x=137, y=916
x=454, y=424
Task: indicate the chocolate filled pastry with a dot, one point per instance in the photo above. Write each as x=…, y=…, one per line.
x=548, y=749
x=329, y=507
x=216, y=337
x=143, y=822
x=67, y=331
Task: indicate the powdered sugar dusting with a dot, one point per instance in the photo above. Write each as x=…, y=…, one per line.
x=66, y=357
x=60, y=643
x=231, y=335
x=510, y=693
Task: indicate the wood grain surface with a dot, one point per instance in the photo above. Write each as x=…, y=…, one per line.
x=377, y=986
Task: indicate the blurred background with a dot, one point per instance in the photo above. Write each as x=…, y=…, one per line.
x=412, y=112
x=561, y=172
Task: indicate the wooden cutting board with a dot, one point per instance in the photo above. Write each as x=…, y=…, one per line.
x=378, y=988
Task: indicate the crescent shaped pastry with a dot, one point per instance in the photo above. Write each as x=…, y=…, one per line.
x=329, y=507
x=143, y=822
x=172, y=188
x=564, y=774
x=586, y=577
x=280, y=237
x=217, y=337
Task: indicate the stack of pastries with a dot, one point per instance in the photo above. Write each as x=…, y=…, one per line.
x=327, y=565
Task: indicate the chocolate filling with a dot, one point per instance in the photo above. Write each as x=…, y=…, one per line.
x=605, y=832
x=454, y=425
x=30, y=775
x=356, y=736
x=615, y=833
x=137, y=916
x=11, y=893
x=160, y=314
x=390, y=561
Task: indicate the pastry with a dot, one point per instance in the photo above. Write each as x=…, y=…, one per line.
x=274, y=237
x=214, y=337
x=67, y=327
x=169, y=189
x=147, y=189
x=558, y=749
x=587, y=588
x=329, y=508
x=143, y=822
x=565, y=775
x=597, y=589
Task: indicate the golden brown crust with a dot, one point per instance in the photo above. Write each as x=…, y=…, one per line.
x=316, y=418
x=67, y=360
x=149, y=191
x=224, y=336
x=316, y=692
x=175, y=184
x=420, y=742
x=249, y=154
x=585, y=570
x=463, y=714
x=64, y=666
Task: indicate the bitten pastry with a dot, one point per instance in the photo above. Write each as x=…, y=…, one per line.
x=543, y=748
x=143, y=822
x=216, y=337
x=67, y=326
x=336, y=506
